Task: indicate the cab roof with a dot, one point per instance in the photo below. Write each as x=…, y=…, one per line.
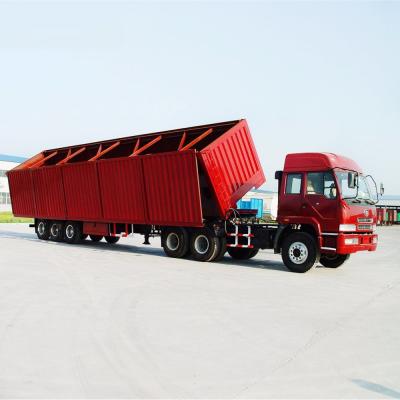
x=297, y=162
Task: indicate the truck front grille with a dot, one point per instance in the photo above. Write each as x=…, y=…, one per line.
x=366, y=220
x=365, y=227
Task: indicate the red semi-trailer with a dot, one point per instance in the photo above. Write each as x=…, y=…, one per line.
x=184, y=184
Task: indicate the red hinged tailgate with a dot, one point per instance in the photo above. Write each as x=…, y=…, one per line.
x=232, y=165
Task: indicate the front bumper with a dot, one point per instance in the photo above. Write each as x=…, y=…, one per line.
x=348, y=243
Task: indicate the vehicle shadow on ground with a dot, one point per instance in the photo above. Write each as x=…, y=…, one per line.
x=376, y=388
x=145, y=250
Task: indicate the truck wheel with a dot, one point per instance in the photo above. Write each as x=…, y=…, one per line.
x=95, y=238
x=42, y=229
x=299, y=252
x=56, y=231
x=334, y=260
x=222, y=250
x=204, y=245
x=72, y=232
x=175, y=242
x=111, y=239
x=240, y=253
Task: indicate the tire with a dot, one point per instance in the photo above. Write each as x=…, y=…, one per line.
x=334, y=260
x=240, y=253
x=111, y=239
x=175, y=242
x=95, y=238
x=204, y=245
x=222, y=250
x=299, y=252
x=56, y=231
x=42, y=229
x=72, y=232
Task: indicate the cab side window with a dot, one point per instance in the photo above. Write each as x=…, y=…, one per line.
x=321, y=183
x=293, y=184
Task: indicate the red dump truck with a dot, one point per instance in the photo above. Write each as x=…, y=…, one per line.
x=184, y=184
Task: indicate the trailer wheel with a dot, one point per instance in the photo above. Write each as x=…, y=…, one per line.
x=111, y=239
x=72, y=232
x=95, y=238
x=299, y=252
x=204, y=245
x=242, y=253
x=175, y=242
x=334, y=260
x=42, y=229
x=56, y=231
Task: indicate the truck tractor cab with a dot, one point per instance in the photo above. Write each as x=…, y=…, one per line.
x=326, y=210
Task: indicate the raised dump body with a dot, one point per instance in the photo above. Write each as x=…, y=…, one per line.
x=180, y=177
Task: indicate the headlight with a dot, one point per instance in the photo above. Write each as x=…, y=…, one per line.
x=351, y=241
x=347, y=228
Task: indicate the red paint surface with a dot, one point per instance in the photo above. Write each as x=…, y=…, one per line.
x=23, y=197
x=172, y=189
x=299, y=162
x=122, y=190
x=232, y=166
x=49, y=193
x=81, y=188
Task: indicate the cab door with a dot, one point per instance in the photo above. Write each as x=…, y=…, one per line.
x=321, y=200
x=291, y=198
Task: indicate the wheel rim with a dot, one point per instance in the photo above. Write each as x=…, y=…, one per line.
x=298, y=252
x=69, y=231
x=54, y=230
x=172, y=241
x=41, y=228
x=201, y=244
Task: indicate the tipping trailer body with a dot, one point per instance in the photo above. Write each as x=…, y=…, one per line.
x=173, y=178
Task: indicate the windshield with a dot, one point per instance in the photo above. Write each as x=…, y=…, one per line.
x=361, y=193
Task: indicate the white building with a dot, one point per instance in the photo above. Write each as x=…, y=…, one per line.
x=6, y=163
x=270, y=201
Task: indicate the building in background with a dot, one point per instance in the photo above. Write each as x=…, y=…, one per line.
x=388, y=211
x=270, y=201
x=6, y=164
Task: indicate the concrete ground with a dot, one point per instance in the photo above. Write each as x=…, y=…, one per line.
x=97, y=320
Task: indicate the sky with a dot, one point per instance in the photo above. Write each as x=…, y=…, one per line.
x=307, y=76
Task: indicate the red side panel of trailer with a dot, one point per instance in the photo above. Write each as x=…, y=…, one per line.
x=23, y=197
x=49, y=193
x=232, y=166
x=122, y=190
x=81, y=190
x=172, y=189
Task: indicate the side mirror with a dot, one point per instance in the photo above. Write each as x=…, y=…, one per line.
x=352, y=180
x=381, y=190
x=278, y=175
